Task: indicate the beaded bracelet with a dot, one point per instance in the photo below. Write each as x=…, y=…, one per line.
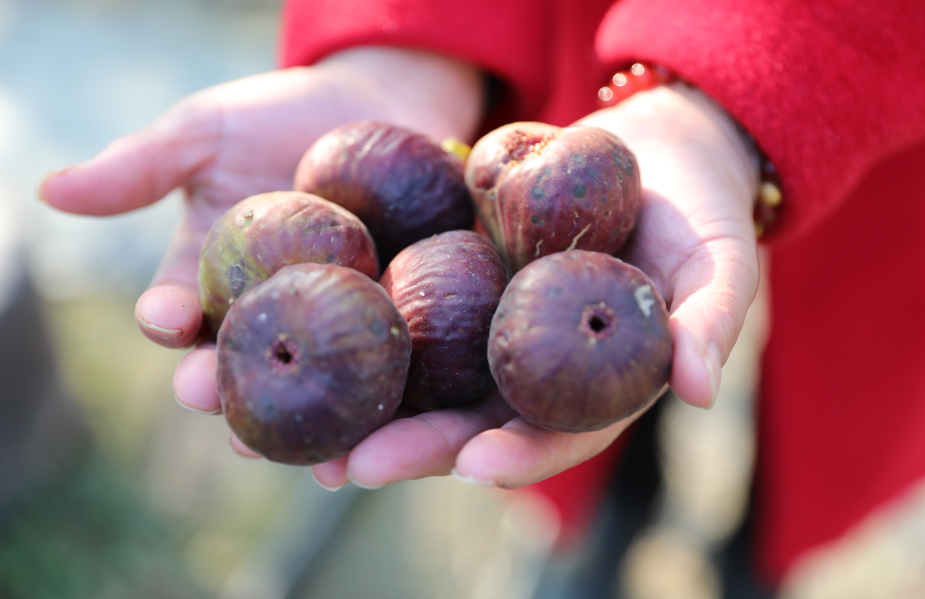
x=640, y=77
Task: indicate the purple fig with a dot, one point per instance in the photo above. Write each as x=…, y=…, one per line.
x=447, y=287
x=265, y=232
x=540, y=189
x=402, y=185
x=580, y=340
x=310, y=362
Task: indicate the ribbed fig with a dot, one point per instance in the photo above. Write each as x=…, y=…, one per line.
x=265, y=232
x=402, y=185
x=541, y=189
x=310, y=362
x=447, y=287
x=580, y=340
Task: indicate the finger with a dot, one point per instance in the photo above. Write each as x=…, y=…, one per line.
x=331, y=476
x=425, y=445
x=194, y=382
x=520, y=454
x=169, y=315
x=712, y=293
x=169, y=312
x=140, y=168
x=241, y=450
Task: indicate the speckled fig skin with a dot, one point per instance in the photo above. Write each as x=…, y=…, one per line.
x=265, y=232
x=580, y=340
x=447, y=287
x=402, y=185
x=310, y=362
x=541, y=189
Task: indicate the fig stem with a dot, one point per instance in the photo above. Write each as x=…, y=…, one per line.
x=453, y=146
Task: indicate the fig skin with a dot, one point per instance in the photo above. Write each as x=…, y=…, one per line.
x=310, y=362
x=447, y=287
x=265, y=232
x=580, y=340
x=402, y=185
x=540, y=189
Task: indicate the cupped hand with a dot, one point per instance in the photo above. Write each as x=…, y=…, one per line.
x=226, y=143
x=694, y=238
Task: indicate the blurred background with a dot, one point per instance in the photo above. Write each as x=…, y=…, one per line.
x=119, y=492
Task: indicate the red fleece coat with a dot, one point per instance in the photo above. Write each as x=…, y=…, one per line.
x=834, y=93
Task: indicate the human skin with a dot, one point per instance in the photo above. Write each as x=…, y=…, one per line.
x=694, y=236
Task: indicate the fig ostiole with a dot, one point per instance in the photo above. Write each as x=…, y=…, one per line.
x=540, y=189
x=447, y=287
x=580, y=340
x=400, y=183
x=265, y=232
x=310, y=362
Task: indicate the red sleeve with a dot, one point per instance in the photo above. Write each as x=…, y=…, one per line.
x=828, y=89
x=505, y=38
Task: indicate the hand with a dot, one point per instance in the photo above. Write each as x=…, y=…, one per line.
x=694, y=238
x=246, y=137
x=226, y=143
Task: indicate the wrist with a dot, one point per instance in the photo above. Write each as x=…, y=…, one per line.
x=767, y=196
x=688, y=149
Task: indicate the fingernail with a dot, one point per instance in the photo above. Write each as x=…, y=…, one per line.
x=712, y=361
x=160, y=332
x=54, y=173
x=324, y=486
x=363, y=486
x=214, y=412
x=37, y=192
x=63, y=169
x=250, y=458
x=472, y=481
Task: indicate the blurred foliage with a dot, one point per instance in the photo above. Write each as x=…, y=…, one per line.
x=121, y=381
x=177, y=461
x=87, y=535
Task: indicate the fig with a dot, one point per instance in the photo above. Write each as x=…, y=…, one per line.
x=402, y=185
x=580, y=340
x=265, y=232
x=540, y=189
x=310, y=362
x=447, y=287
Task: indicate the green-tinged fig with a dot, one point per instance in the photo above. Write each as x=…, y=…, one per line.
x=447, y=287
x=310, y=362
x=402, y=185
x=266, y=232
x=580, y=340
x=541, y=189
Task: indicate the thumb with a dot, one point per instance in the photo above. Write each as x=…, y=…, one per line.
x=712, y=293
x=140, y=168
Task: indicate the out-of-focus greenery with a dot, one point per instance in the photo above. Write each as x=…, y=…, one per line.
x=215, y=505
x=87, y=535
